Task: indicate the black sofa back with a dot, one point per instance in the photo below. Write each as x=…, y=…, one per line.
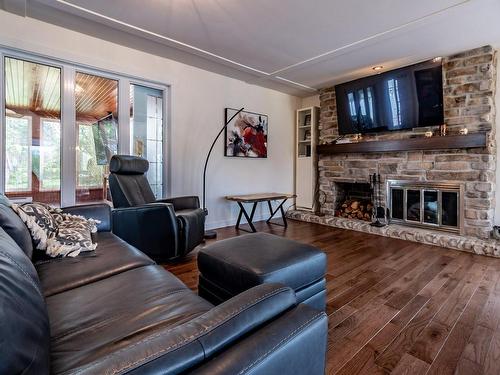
x=15, y=228
x=24, y=322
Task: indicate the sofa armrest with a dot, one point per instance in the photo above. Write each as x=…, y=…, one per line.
x=178, y=349
x=98, y=211
x=152, y=228
x=182, y=203
x=295, y=343
x=229, y=321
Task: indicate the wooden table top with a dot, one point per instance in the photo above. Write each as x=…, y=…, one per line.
x=260, y=197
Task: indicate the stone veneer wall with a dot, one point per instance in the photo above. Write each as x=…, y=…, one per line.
x=469, y=81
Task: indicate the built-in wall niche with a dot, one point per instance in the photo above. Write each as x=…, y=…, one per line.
x=306, y=157
x=436, y=205
x=304, y=132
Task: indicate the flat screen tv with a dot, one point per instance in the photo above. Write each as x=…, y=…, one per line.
x=399, y=99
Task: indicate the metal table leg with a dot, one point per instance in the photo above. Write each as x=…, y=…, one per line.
x=273, y=212
x=248, y=218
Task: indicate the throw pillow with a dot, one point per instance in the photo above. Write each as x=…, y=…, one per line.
x=56, y=232
x=74, y=235
x=38, y=218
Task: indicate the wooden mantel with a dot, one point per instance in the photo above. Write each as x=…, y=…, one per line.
x=472, y=140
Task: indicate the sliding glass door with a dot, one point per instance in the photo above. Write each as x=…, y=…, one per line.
x=32, y=168
x=61, y=124
x=146, y=131
x=96, y=101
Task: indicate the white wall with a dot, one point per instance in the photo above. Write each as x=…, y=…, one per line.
x=198, y=101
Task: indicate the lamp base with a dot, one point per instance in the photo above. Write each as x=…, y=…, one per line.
x=210, y=234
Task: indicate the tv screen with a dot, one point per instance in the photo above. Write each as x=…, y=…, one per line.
x=399, y=99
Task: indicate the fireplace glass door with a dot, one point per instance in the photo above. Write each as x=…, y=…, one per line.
x=450, y=208
x=425, y=204
x=431, y=207
x=397, y=205
x=413, y=205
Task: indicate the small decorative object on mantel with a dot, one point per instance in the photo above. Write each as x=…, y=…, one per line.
x=246, y=134
x=358, y=137
x=429, y=134
x=443, y=129
x=464, y=131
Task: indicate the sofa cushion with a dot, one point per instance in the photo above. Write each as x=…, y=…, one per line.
x=12, y=224
x=96, y=320
x=113, y=256
x=24, y=323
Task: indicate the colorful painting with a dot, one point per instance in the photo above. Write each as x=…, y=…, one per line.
x=246, y=135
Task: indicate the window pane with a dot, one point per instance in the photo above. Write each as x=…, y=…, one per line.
x=97, y=134
x=146, y=131
x=50, y=155
x=18, y=152
x=32, y=131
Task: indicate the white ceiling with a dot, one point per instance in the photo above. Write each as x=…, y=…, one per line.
x=295, y=46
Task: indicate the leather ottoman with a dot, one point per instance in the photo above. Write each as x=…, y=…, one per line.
x=231, y=266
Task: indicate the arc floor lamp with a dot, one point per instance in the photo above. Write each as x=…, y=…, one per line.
x=211, y=233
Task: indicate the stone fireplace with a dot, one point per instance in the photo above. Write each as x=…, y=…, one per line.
x=469, y=81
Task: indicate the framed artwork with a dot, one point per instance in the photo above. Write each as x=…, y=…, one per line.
x=246, y=134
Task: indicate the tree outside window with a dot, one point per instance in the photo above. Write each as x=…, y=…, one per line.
x=18, y=154
x=50, y=155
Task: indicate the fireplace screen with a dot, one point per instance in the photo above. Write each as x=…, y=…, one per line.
x=425, y=204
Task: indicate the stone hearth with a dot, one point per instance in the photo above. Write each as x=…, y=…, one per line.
x=424, y=236
x=469, y=81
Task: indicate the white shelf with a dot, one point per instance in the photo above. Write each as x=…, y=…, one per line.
x=306, y=157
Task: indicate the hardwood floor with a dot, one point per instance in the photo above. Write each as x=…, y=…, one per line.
x=398, y=307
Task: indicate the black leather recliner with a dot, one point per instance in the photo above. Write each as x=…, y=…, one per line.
x=165, y=228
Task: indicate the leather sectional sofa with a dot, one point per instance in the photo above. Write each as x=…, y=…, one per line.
x=115, y=311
